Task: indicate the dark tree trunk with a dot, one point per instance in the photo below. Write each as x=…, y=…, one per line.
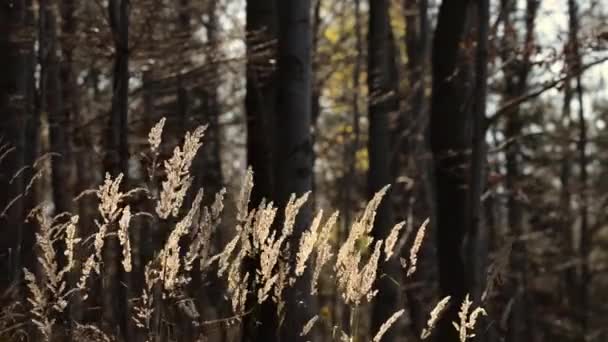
x=86, y=175
x=52, y=103
x=66, y=134
x=260, y=98
x=117, y=154
x=116, y=161
x=317, y=86
x=566, y=212
x=260, y=104
x=68, y=80
x=293, y=158
x=18, y=148
x=412, y=145
x=416, y=40
x=477, y=232
x=450, y=141
x=381, y=105
x=184, y=328
x=208, y=164
x=574, y=65
x=211, y=171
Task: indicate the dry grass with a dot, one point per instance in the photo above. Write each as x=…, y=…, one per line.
x=188, y=243
x=434, y=317
x=468, y=319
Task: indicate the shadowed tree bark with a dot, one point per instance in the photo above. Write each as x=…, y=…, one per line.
x=287, y=121
x=67, y=134
x=117, y=154
x=260, y=104
x=381, y=105
x=18, y=137
x=477, y=230
x=412, y=145
x=68, y=82
x=574, y=64
x=210, y=169
x=116, y=161
x=52, y=103
x=293, y=159
x=566, y=169
x=260, y=98
x=566, y=215
x=450, y=141
x=208, y=163
x=316, y=84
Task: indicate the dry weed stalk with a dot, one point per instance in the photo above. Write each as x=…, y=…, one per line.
x=110, y=208
x=355, y=284
x=391, y=240
x=356, y=261
x=387, y=325
x=91, y=333
x=123, y=237
x=48, y=295
x=307, y=243
x=324, y=252
x=155, y=135
x=209, y=220
x=169, y=257
x=434, y=317
x=309, y=325
x=468, y=319
x=272, y=246
x=155, y=140
x=416, y=247
x=144, y=307
x=178, y=179
x=5, y=150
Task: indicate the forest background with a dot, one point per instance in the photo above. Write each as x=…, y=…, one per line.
x=487, y=118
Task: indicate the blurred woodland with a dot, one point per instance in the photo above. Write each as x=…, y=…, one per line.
x=486, y=118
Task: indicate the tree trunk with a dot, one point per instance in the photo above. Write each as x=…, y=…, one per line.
x=381, y=101
x=450, y=141
x=18, y=117
x=293, y=158
x=259, y=100
x=208, y=164
x=65, y=134
x=412, y=145
x=117, y=154
x=211, y=171
x=317, y=87
x=115, y=162
x=566, y=194
x=261, y=28
x=574, y=64
x=52, y=104
x=477, y=232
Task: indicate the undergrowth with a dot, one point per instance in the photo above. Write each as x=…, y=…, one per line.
x=71, y=266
